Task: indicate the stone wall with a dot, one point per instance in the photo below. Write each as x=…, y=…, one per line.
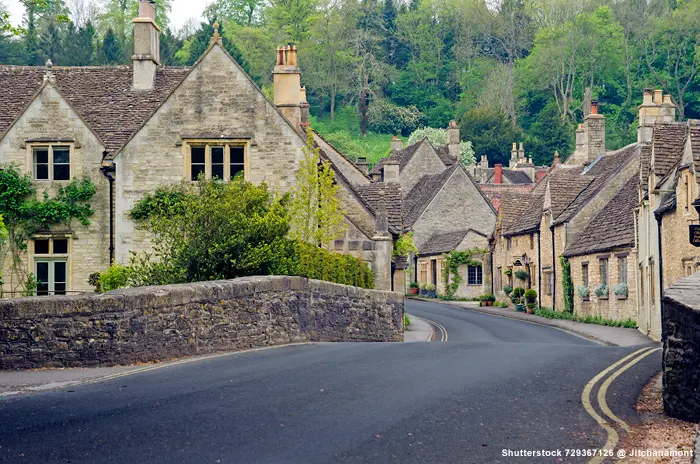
x=681, y=369
x=159, y=323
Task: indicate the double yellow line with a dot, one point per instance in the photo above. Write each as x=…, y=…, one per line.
x=443, y=331
x=613, y=437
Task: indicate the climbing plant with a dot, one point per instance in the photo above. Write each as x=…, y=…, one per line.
x=24, y=214
x=405, y=246
x=567, y=285
x=455, y=259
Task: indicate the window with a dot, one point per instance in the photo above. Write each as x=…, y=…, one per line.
x=622, y=269
x=443, y=265
x=51, y=266
x=604, y=271
x=222, y=161
x=584, y=273
x=51, y=162
x=423, y=279
x=532, y=241
x=642, y=272
x=499, y=279
x=548, y=283
x=474, y=275
x=509, y=243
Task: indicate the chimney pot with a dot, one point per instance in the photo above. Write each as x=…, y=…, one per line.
x=287, y=87
x=667, y=99
x=594, y=107
x=658, y=96
x=396, y=144
x=648, y=97
x=498, y=174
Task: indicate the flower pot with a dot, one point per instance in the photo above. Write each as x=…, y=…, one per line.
x=530, y=311
x=520, y=308
x=413, y=291
x=490, y=303
x=432, y=294
x=483, y=303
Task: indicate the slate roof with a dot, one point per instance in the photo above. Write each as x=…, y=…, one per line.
x=390, y=195
x=645, y=164
x=404, y=156
x=668, y=144
x=423, y=193
x=512, y=206
x=102, y=95
x=612, y=227
x=444, y=155
x=513, y=176
x=442, y=243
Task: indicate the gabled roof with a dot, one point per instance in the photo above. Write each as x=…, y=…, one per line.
x=423, y=193
x=668, y=145
x=404, y=155
x=386, y=195
x=513, y=176
x=444, y=154
x=102, y=95
x=444, y=242
x=512, y=206
x=612, y=227
x=351, y=172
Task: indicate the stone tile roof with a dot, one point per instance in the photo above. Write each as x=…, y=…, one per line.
x=513, y=176
x=694, y=133
x=612, y=227
x=668, y=144
x=668, y=203
x=102, y=95
x=531, y=212
x=423, y=193
x=512, y=207
x=389, y=194
x=445, y=157
x=645, y=164
x=442, y=243
x=402, y=156
x=601, y=171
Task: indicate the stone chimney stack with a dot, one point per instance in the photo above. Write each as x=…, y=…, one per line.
x=396, y=144
x=287, y=82
x=390, y=171
x=513, y=162
x=594, y=138
x=484, y=163
x=521, y=154
x=655, y=107
x=146, y=58
x=498, y=174
x=304, y=106
x=453, y=140
x=362, y=165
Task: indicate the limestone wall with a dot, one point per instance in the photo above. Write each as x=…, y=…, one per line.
x=158, y=323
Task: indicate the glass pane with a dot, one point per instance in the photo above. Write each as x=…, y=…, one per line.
x=236, y=169
x=41, y=155
x=41, y=171
x=59, y=289
x=61, y=172
x=197, y=169
x=42, y=289
x=237, y=155
x=198, y=155
x=217, y=170
x=217, y=155
x=59, y=272
x=42, y=272
x=61, y=155
x=60, y=246
x=41, y=247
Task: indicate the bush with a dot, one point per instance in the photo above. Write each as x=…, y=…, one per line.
x=438, y=138
x=388, y=118
x=602, y=291
x=583, y=291
x=414, y=285
x=320, y=264
x=117, y=276
x=406, y=321
x=490, y=297
x=549, y=314
x=531, y=296
x=517, y=292
x=430, y=288
x=621, y=290
x=521, y=275
x=507, y=289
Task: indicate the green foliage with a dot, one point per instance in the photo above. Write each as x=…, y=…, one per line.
x=438, y=138
x=414, y=285
x=491, y=134
x=454, y=259
x=163, y=202
x=316, y=215
x=549, y=314
x=507, y=289
x=583, y=291
x=521, y=275
x=117, y=276
x=602, y=291
x=318, y=263
x=621, y=290
x=405, y=246
x=406, y=321
x=516, y=295
x=530, y=295
x=567, y=284
x=388, y=118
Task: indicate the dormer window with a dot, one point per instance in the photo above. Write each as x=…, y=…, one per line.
x=51, y=162
x=219, y=160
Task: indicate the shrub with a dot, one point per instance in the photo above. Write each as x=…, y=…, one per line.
x=388, y=118
x=117, y=276
x=507, y=289
x=517, y=292
x=490, y=297
x=549, y=314
x=318, y=263
x=438, y=138
x=583, y=291
x=521, y=275
x=621, y=290
x=602, y=291
x=430, y=287
x=414, y=285
x=531, y=296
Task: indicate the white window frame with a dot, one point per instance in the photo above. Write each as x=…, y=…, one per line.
x=52, y=257
x=50, y=148
x=208, y=145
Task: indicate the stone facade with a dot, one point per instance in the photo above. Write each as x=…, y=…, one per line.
x=159, y=323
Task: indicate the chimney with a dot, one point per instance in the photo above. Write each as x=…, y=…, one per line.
x=146, y=58
x=556, y=161
x=521, y=154
x=304, y=109
x=453, y=140
x=498, y=174
x=362, y=165
x=484, y=164
x=594, y=134
x=396, y=144
x=513, y=162
x=655, y=107
x=287, y=83
x=390, y=171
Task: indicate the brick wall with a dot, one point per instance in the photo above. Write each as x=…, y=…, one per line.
x=158, y=323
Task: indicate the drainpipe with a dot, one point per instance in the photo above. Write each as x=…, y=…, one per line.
x=107, y=171
x=539, y=270
x=659, y=218
x=554, y=271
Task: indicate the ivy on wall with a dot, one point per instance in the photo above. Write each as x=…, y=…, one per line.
x=455, y=259
x=567, y=285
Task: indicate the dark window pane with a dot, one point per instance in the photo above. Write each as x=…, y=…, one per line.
x=42, y=171
x=217, y=170
x=42, y=289
x=59, y=289
x=237, y=155
x=217, y=155
x=61, y=172
x=59, y=272
x=60, y=246
x=61, y=155
x=41, y=247
x=197, y=169
x=41, y=155
x=197, y=155
x=42, y=273
x=236, y=169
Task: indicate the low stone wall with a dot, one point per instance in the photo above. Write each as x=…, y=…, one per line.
x=681, y=374
x=159, y=323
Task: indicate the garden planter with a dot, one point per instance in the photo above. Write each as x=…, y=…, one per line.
x=422, y=293
x=413, y=291
x=530, y=310
x=520, y=308
x=490, y=303
x=431, y=294
x=483, y=303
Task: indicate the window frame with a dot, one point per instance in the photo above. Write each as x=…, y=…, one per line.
x=51, y=257
x=478, y=277
x=50, y=146
x=208, y=144
x=623, y=270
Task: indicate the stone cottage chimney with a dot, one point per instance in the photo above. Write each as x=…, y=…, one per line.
x=390, y=171
x=655, y=107
x=521, y=154
x=287, y=82
x=484, y=163
x=362, y=165
x=513, y=162
x=304, y=107
x=498, y=174
x=594, y=134
x=396, y=144
x=146, y=58
x=453, y=140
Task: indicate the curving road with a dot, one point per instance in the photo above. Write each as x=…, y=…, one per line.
x=495, y=384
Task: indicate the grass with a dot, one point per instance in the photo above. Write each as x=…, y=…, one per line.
x=344, y=134
x=406, y=321
x=549, y=314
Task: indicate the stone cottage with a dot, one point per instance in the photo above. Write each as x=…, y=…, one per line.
x=134, y=128
x=443, y=208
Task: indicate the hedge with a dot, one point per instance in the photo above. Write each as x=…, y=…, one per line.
x=318, y=263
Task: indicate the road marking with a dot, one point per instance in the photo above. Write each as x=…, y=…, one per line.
x=603, y=391
x=613, y=437
x=443, y=331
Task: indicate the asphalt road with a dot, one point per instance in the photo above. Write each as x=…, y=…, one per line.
x=495, y=384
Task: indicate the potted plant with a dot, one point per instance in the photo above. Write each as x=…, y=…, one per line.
x=602, y=292
x=508, y=272
x=482, y=299
x=531, y=300
x=413, y=288
x=516, y=297
x=521, y=275
x=430, y=291
x=584, y=292
x=421, y=289
x=507, y=290
x=621, y=291
x=490, y=298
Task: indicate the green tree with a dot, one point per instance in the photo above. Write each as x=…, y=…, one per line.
x=491, y=133
x=316, y=215
x=241, y=12
x=549, y=134
x=438, y=138
x=195, y=46
x=80, y=45
x=112, y=52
